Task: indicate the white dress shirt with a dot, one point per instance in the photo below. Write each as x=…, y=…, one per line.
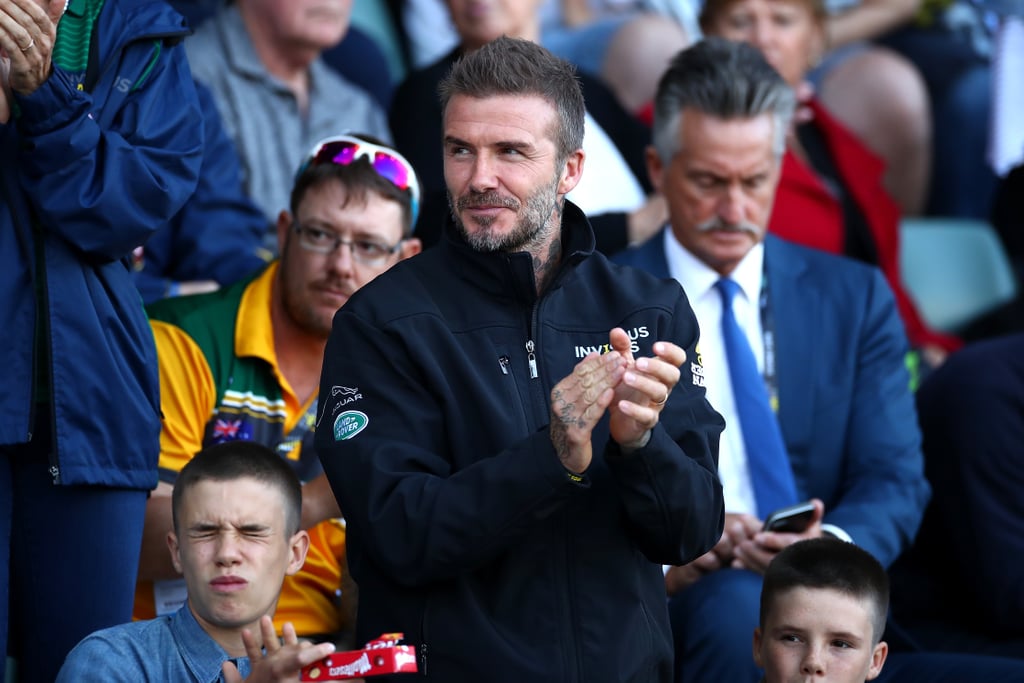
x=698, y=281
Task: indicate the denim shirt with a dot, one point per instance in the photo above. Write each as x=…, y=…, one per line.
x=170, y=649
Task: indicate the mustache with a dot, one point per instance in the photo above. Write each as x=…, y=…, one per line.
x=716, y=223
x=334, y=285
x=490, y=198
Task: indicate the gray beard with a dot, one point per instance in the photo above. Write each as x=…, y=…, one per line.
x=534, y=225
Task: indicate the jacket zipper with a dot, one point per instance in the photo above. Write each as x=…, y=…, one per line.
x=423, y=638
x=531, y=359
x=531, y=331
x=48, y=341
x=43, y=319
x=538, y=400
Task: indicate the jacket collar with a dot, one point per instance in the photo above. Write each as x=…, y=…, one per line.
x=129, y=21
x=511, y=275
x=254, y=335
x=201, y=653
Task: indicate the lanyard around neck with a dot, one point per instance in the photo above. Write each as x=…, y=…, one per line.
x=768, y=336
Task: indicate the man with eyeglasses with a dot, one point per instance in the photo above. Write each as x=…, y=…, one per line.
x=243, y=363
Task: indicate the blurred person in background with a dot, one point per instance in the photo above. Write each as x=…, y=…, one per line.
x=623, y=42
x=831, y=194
x=263, y=61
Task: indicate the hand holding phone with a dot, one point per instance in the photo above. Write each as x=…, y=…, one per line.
x=793, y=519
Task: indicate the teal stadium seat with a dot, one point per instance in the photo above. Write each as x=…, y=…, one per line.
x=956, y=270
x=374, y=17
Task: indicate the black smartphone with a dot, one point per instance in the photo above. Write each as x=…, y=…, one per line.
x=793, y=519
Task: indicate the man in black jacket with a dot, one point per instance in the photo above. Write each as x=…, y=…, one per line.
x=516, y=428
x=415, y=120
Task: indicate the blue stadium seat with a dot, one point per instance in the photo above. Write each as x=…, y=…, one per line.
x=955, y=269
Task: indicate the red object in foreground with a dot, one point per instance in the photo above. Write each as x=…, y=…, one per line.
x=380, y=656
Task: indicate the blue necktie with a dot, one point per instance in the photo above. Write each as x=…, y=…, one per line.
x=767, y=461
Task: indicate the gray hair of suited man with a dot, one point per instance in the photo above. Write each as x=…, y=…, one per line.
x=723, y=79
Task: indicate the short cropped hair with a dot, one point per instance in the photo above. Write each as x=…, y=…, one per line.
x=233, y=460
x=359, y=179
x=828, y=563
x=723, y=79
x=511, y=66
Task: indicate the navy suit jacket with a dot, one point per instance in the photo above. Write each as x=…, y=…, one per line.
x=845, y=407
x=963, y=577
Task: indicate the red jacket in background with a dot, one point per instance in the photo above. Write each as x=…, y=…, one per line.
x=806, y=213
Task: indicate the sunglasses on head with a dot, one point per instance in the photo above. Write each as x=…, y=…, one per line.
x=343, y=150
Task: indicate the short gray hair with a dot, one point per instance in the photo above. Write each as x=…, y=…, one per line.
x=511, y=66
x=724, y=79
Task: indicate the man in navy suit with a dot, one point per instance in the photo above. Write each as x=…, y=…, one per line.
x=962, y=582
x=828, y=342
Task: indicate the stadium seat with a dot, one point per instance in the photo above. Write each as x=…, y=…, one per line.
x=956, y=270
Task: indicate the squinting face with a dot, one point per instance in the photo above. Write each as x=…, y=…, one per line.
x=234, y=551
x=720, y=185
x=305, y=24
x=818, y=636
x=478, y=22
x=501, y=168
x=785, y=31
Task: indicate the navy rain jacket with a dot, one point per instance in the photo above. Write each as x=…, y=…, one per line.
x=93, y=172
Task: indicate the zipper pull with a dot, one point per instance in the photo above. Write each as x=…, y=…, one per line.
x=532, y=359
x=503, y=362
x=423, y=659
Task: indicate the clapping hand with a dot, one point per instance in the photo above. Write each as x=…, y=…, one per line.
x=645, y=387
x=577, y=404
x=633, y=391
x=28, y=31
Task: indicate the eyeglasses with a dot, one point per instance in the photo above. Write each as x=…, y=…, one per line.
x=365, y=252
x=389, y=164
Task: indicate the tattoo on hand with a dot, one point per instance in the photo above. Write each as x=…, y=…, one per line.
x=561, y=409
x=565, y=409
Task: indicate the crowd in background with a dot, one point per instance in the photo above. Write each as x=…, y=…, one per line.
x=148, y=158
